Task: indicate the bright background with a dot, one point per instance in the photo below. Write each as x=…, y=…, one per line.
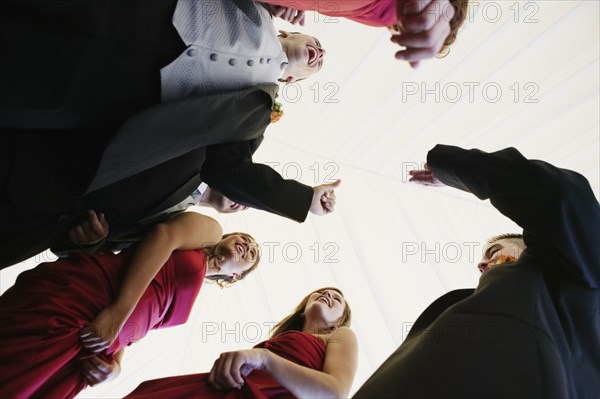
x=522, y=74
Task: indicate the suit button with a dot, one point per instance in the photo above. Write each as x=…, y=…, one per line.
x=232, y=61
x=250, y=63
x=262, y=61
x=268, y=60
x=191, y=52
x=282, y=66
x=213, y=57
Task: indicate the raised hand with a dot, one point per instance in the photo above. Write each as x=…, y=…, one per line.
x=425, y=177
x=424, y=26
x=323, y=201
x=289, y=14
x=90, y=231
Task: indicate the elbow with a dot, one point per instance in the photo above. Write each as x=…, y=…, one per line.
x=335, y=389
x=332, y=392
x=341, y=392
x=161, y=233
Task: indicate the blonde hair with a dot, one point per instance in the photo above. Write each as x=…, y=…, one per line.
x=295, y=320
x=216, y=253
x=460, y=14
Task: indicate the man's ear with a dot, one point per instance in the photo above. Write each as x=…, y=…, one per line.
x=283, y=33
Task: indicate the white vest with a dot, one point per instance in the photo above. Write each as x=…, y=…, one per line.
x=227, y=48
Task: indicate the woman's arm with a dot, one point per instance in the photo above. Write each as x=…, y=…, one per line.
x=334, y=381
x=189, y=230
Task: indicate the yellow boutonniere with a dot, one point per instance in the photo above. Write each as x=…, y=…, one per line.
x=276, y=112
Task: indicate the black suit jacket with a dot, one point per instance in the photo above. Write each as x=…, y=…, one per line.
x=76, y=129
x=77, y=64
x=227, y=167
x=530, y=329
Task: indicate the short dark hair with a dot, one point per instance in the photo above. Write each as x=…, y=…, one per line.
x=505, y=236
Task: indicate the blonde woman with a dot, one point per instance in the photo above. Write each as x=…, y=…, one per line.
x=65, y=323
x=311, y=353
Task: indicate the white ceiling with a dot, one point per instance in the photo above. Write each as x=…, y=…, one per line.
x=390, y=246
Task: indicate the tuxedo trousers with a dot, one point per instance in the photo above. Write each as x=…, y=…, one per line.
x=82, y=63
x=72, y=72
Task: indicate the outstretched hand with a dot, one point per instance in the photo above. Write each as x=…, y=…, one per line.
x=289, y=14
x=424, y=26
x=90, y=231
x=230, y=367
x=103, y=330
x=425, y=177
x=323, y=201
x=97, y=370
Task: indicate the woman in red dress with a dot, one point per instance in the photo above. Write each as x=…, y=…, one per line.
x=425, y=28
x=65, y=323
x=311, y=353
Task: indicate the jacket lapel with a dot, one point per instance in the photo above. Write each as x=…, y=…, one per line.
x=169, y=130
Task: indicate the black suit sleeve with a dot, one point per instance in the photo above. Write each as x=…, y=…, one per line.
x=229, y=169
x=555, y=207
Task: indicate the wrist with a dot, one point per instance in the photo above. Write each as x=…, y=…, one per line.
x=120, y=311
x=267, y=360
x=315, y=198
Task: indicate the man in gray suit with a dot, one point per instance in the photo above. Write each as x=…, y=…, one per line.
x=129, y=95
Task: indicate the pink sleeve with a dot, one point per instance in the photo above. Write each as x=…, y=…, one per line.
x=367, y=12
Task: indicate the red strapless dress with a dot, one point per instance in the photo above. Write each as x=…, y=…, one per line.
x=301, y=348
x=42, y=314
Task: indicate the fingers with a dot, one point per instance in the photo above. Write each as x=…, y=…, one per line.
x=291, y=15
x=90, y=231
x=430, y=37
x=323, y=201
x=96, y=370
x=435, y=11
x=98, y=365
x=328, y=200
x=422, y=181
x=278, y=11
x=98, y=224
x=92, y=377
x=419, y=176
x=92, y=341
x=408, y=7
x=286, y=14
x=225, y=373
x=96, y=345
x=425, y=27
x=77, y=235
x=335, y=184
x=424, y=177
x=235, y=377
x=420, y=172
x=299, y=18
x=422, y=45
